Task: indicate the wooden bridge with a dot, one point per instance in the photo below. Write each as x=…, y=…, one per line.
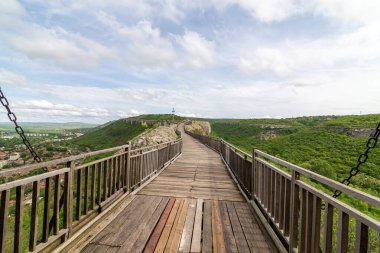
x=196, y=194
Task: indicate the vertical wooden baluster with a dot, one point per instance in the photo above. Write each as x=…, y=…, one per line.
x=277, y=198
x=34, y=216
x=4, y=219
x=86, y=176
x=79, y=195
x=128, y=168
x=294, y=213
x=114, y=168
x=282, y=202
x=253, y=178
x=93, y=184
x=110, y=170
x=316, y=225
x=343, y=223
x=68, y=211
x=105, y=180
x=141, y=166
x=309, y=221
x=46, y=217
x=361, y=244
x=287, y=207
x=19, y=216
x=328, y=228
x=303, y=221
x=99, y=183
x=57, y=195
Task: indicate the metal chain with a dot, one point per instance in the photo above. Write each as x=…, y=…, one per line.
x=371, y=143
x=12, y=117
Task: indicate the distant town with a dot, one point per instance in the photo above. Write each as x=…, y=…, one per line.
x=49, y=143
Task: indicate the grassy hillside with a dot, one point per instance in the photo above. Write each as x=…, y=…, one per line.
x=109, y=135
x=328, y=145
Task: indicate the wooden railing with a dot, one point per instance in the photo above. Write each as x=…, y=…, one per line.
x=73, y=195
x=304, y=218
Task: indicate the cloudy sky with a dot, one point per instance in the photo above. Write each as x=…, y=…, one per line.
x=94, y=60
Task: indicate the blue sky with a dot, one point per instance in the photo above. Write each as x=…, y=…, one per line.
x=94, y=61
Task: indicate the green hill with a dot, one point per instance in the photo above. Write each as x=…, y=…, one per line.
x=328, y=145
x=157, y=117
x=109, y=135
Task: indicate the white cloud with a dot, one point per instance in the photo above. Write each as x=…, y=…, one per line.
x=146, y=45
x=11, y=78
x=269, y=10
x=267, y=60
x=200, y=51
x=66, y=49
x=29, y=109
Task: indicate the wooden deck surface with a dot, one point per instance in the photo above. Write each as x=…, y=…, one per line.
x=192, y=206
x=165, y=224
x=198, y=173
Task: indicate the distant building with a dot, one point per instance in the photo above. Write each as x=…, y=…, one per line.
x=14, y=156
x=3, y=163
x=3, y=155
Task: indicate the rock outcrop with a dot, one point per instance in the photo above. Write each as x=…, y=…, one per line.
x=199, y=127
x=155, y=136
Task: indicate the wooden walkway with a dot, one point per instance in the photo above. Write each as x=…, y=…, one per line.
x=192, y=206
x=198, y=173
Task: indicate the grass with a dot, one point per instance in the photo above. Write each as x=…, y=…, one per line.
x=313, y=143
x=110, y=135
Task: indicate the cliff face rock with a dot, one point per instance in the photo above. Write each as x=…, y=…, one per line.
x=199, y=127
x=155, y=136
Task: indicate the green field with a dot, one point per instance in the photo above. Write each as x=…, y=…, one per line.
x=109, y=135
x=323, y=144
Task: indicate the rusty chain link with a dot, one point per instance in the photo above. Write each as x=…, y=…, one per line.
x=371, y=143
x=12, y=117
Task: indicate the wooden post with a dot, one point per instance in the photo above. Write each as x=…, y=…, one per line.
x=128, y=174
x=70, y=196
x=294, y=213
x=253, y=173
x=141, y=168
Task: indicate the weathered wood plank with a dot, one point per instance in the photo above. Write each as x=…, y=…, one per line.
x=187, y=232
x=175, y=235
x=217, y=229
x=153, y=240
x=207, y=227
x=229, y=237
x=160, y=247
x=197, y=231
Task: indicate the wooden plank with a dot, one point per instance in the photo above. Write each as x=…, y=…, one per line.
x=207, y=227
x=240, y=239
x=57, y=195
x=4, y=219
x=19, y=217
x=197, y=232
x=153, y=240
x=316, y=225
x=140, y=235
x=361, y=244
x=187, y=232
x=46, y=217
x=175, y=235
x=328, y=229
x=160, y=247
x=342, y=244
x=93, y=186
x=230, y=243
x=217, y=230
x=34, y=216
x=79, y=195
x=86, y=178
